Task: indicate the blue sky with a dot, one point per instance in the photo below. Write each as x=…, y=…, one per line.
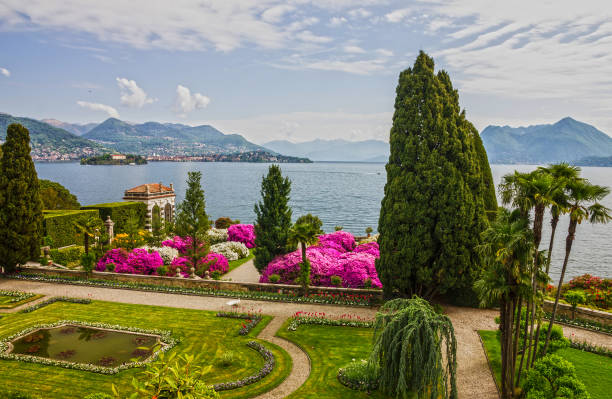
x=301, y=69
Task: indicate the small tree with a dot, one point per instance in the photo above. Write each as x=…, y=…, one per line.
x=369, y=230
x=303, y=233
x=553, y=377
x=410, y=342
x=157, y=229
x=273, y=218
x=90, y=228
x=133, y=231
x=575, y=298
x=192, y=221
x=20, y=206
x=56, y=196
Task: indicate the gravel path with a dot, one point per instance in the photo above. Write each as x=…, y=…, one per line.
x=474, y=377
x=245, y=273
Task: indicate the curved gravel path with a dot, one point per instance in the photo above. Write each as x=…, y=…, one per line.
x=474, y=376
x=245, y=273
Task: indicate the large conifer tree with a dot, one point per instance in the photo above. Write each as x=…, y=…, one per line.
x=273, y=218
x=20, y=205
x=433, y=211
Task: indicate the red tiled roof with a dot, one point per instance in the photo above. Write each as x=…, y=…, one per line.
x=152, y=188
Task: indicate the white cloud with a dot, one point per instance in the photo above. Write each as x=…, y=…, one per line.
x=356, y=67
x=5, y=72
x=299, y=126
x=353, y=50
x=398, y=15
x=275, y=14
x=308, y=36
x=359, y=13
x=384, y=52
x=187, y=102
x=132, y=95
x=112, y=112
x=337, y=21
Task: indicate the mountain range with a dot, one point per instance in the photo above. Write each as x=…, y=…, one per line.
x=73, y=128
x=334, y=150
x=567, y=140
x=167, y=139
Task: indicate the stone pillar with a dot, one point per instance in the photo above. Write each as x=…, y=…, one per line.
x=109, y=224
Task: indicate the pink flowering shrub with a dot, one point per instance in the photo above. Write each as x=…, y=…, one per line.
x=143, y=262
x=369, y=248
x=179, y=243
x=211, y=262
x=331, y=257
x=216, y=262
x=244, y=233
x=117, y=256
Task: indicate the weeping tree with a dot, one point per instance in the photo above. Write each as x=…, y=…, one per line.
x=415, y=350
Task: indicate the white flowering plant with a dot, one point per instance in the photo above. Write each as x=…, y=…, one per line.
x=232, y=250
x=216, y=236
x=167, y=253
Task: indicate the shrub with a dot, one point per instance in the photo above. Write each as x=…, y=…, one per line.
x=166, y=253
x=553, y=377
x=110, y=267
x=162, y=270
x=59, y=226
x=87, y=262
x=143, y=262
x=120, y=212
x=232, y=250
x=244, y=233
x=117, y=256
x=359, y=375
x=336, y=281
x=338, y=228
x=68, y=255
x=216, y=236
x=274, y=278
x=225, y=222
x=575, y=298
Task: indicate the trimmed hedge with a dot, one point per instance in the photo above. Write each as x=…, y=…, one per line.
x=119, y=213
x=59, y=225
x=65, y=256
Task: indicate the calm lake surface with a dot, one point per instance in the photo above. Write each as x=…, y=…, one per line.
x=344, y=194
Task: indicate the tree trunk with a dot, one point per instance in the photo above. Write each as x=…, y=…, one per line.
x=86, y=242
x=569, y=240
x=517, y=330
x=526, y=333
x=553, y=225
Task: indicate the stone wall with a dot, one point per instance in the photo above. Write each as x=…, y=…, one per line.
x=201, y=283
x=598, y=316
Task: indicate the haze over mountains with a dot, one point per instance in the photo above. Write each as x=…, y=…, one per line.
x=334, y=150
x=567, y=140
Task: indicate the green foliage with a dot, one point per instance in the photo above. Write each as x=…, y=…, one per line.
x=336, y=281
x=91, y=229
x=359, y=375
x=553, y=377
x=55, y=196
x=16, y=395
x=191, y=218
x=274, y=278
x=171, y=377
x=106, y=159
x=338, y=228
x=60, y=225
x=132, y=228
x=120, y=212
x=369, y=230
x=225, y=222
x=314, y=221
x=68, y=255
x=227, y=359
x=432, y=212
x=20, y=206
x=273, y=218
x=98, y=395
x=88, y=261
x=304, y=233
x=410, y=342
x=575, y=298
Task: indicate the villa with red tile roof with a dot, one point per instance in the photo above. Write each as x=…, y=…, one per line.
x=159, y=199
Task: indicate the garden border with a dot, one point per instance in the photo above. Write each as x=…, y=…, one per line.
x=245, y=329
x=165, y=336
x=267, y=368
x=484, y=349
x=21, y=298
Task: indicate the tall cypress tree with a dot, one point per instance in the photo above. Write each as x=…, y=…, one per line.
x=273, y=218
x=432, y=212
x=20, y=204
x=488, y=194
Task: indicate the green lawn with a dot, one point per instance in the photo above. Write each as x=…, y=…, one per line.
x=593, y=370
x=200, y=333
x=239, y=262
x=5, y=301
x=330, y=348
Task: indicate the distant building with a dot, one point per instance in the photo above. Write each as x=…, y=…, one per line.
x=158, y=198
x=118, y=157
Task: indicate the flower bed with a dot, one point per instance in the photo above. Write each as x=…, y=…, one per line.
x=320, y=319
x=244, y=233
x=53, y=300
x=264, y=371
x=340, y=298
x=252, y=320
x=16, y=296
x=168, y=343
x=597, y=290
x=232, y=250
x=334, y=255
x=582, y=323
x=216, y=236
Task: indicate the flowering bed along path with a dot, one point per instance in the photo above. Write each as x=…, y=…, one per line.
x=199, y=332
x=12, y=299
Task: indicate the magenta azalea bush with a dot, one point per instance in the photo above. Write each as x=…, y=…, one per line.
x=335, y=255
x=179, y=243
x=212, y=262
x=143, y=262
x=244, y=233
x=117, y=256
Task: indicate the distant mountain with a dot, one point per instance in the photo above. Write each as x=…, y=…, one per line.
x=167, y=139
x=334, y=150
x=49, y=142
x=567, y=140
x=73, y=128
x=594, y=161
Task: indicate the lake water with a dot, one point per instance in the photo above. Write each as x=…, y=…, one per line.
x=344, y=194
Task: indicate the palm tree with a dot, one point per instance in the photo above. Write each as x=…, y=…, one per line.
x=507, y=250
x=303, y=233
x=583, y=200
x=90, y=227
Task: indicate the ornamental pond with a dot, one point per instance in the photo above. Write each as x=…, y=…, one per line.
x=85, y=345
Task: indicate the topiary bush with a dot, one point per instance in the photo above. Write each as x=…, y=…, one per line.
x=120, y=213
x=66, y=256
x=553, y=377
x=359, y=375
x=59, y=226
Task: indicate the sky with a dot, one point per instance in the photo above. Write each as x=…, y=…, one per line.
x=302, y=69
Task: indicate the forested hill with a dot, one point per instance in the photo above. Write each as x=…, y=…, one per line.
x=167, y=139
x=567, y=140
x=50, y=142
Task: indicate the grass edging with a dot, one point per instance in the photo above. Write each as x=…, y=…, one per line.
x=484, y=349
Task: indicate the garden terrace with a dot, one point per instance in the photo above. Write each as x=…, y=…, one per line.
x=12, y=299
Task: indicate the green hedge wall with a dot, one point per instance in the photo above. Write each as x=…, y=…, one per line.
x=59, y=225
x=68, y=255
x=119, y=213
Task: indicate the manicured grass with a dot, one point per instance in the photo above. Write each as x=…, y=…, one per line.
x=200, y=332
x=239, y=262
x=5, y=301
x=330, y=348
x=593, y=370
